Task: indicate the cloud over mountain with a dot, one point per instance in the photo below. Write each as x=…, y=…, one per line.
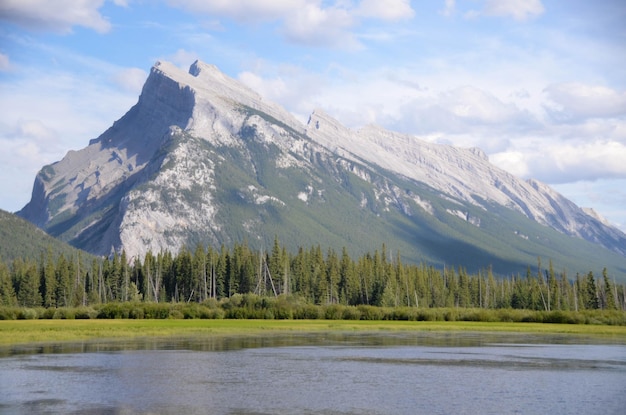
x=58, y=16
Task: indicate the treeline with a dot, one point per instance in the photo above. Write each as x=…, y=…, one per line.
x=311, y=276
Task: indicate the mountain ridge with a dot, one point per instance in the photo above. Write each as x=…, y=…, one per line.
x=512, y=191
x=202, y=158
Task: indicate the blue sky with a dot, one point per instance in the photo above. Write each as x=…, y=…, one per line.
x=539, y=85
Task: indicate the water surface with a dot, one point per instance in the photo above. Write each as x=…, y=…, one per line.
x=332, y=373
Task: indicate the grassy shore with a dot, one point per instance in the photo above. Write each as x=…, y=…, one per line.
x=16, y=332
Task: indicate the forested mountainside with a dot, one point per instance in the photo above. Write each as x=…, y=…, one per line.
x=202, y=159
x=21, y=239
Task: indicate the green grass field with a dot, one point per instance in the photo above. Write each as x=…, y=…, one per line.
x=16, y=332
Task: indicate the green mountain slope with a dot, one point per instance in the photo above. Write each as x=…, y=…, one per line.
x=21, y=239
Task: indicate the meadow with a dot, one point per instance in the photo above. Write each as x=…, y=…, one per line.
x=16, y=332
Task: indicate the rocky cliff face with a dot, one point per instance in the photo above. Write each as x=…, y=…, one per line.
x=463, y=174
x=202, y=159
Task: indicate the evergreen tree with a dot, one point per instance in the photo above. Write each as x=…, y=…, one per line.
x=62, y=282
x=608, y=297
x=464, y=299
x=7, y=292
x=26, y=281
x=553, y=289
x=348, y=286
x=591, y=292
x=200, y=274
x=221, y=272
x=276, y=262
x=332, y=277
x=48, y=280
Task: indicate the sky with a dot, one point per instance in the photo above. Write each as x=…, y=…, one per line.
x=539, y=85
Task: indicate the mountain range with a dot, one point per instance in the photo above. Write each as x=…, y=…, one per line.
x=203, y=159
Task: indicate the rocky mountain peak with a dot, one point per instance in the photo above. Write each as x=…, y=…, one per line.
x=202, y=158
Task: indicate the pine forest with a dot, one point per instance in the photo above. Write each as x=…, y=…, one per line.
x=280, y=284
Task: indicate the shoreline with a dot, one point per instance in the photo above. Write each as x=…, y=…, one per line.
x=33, y=332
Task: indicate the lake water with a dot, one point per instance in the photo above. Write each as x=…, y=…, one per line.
x=333, y=373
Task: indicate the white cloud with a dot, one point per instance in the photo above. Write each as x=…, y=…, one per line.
x=477, y=106
x=517, y=9
x=449, y=8
x=308, y=22
x=386, y=9
x=130, y=79
x=45, y=114
x=268, y=88
x=58, y=16
x=464, y=116
x=27, y=145
x=35, y=130
x=577, y=102
x=242, y=10
x=5, y=63
x=557, y=161
x=183, y=58
x=317, y=26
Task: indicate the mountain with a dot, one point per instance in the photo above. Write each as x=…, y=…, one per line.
x=203, y=159
x=21, y=239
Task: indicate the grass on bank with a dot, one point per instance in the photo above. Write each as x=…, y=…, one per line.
x=16, y=332
x=253, y=315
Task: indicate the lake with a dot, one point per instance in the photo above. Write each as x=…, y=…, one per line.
x=333, y=373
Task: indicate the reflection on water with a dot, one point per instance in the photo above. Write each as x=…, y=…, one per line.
x=329, y=373
x=356, y=339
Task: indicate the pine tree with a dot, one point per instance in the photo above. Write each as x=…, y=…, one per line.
x=591, y=292
x=48, y=280
x=7, y=292
x=332, y=277
x=27, y=281
x=608, y=302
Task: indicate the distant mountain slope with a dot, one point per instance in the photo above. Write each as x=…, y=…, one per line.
x=465, y=175
x=21, y=239
x=203, y=159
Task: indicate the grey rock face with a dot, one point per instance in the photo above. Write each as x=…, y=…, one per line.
x=203, y=159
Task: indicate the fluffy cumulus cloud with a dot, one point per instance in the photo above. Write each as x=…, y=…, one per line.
x=130, y=79
x=318, y=26
x=37, y=128
x=465, y=115
x=308, y=22
x=577, y=102
x=58, y=16
x=564, y=162
x=27, y=145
